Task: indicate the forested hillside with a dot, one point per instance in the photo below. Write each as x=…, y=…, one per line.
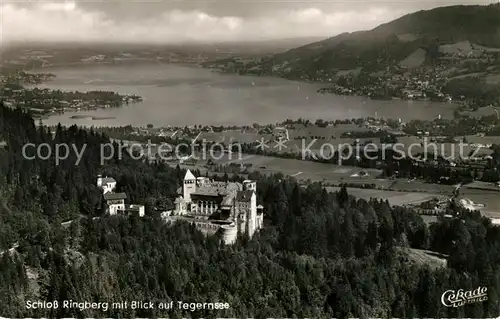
x=320, y=255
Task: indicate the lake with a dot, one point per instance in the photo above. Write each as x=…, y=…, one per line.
x=183, y=95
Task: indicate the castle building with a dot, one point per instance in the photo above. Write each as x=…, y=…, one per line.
x=223, y=208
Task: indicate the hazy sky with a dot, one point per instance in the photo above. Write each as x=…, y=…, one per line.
x=202, y=20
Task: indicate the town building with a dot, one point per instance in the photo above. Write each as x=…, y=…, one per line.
x=228, y=209
x=108, y=184
x=114, y=203
x=133, y=209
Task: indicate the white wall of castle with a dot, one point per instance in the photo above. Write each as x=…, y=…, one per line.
x=229, y=234
x=252, y=218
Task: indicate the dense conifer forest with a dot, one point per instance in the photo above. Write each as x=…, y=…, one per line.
x=320, y=254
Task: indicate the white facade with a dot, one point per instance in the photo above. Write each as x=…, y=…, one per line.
x=115, y=205
x=138, y=208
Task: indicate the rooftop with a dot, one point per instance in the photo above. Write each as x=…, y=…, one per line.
x=211, y=191
x=115, y=196
x=107, y=180
x=227, y=201
x=134, y=207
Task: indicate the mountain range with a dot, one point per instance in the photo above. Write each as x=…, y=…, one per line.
x=436, y=33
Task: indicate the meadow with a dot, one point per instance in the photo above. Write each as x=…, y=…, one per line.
x=394, y=198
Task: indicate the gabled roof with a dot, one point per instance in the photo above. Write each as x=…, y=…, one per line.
x=115, y=196
x=244, y=196
x=107, y=180
x=189, y=175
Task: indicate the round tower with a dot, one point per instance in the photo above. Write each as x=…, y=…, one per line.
x=229, y=233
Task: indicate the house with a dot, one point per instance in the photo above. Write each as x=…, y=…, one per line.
x=115, y=202
x=108, y=184
x=133, y=210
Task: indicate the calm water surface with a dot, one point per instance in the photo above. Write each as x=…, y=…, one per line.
x=179, y=95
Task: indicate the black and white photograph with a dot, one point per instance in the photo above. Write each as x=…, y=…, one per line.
x=249, y=159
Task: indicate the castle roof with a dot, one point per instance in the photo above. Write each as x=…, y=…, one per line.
x=115, y=196
x=189, y=175
x=207, y=192
x=244, y=196
x=216, y=188
x=227, y=201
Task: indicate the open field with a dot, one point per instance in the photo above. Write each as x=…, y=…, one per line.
x=493, y=79
x=324, y=141
x=485, y=140
x=434, y=260
x=463, y=76
x=481, y=186
x=394, y=198
x=406, y=185
x=416, y=59
x=491, y=201
x=304, y=170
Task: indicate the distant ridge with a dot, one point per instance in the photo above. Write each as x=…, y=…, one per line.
x=393, y=42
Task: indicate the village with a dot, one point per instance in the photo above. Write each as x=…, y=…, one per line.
x=410, y=79
x=17, y=91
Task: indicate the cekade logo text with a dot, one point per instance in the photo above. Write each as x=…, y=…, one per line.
x=458, y=298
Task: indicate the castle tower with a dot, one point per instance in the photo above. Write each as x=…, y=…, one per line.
x=251, y=207
x=189, y=186
x=252, y=215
